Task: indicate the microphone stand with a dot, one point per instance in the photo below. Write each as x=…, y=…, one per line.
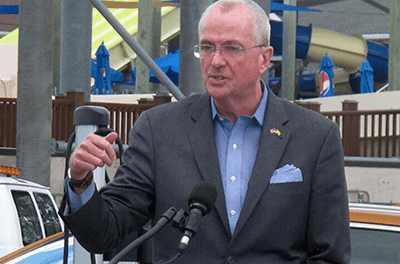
x=165, y=219
x=185, y=222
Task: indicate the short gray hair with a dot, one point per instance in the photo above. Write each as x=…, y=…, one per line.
x=261, y=25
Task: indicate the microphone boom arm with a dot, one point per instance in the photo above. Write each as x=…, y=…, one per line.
x=165, y=219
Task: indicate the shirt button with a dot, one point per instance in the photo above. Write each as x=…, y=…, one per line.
x=235, y=146
x=233, y=178
x=230, y=260
x=221, y=119
x=233, y=212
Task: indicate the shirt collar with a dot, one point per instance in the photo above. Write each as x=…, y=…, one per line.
x=258, y=115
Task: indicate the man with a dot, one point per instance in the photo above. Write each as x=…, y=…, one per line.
x=278, y=168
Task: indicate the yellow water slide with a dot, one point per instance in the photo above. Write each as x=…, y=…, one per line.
x=120, y=53
x=347, y=52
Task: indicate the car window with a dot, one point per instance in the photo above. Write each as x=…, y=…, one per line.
x=51, y=221
x=28, y=218
x=374, y=246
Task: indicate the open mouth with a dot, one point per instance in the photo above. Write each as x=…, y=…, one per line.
x=218, y=77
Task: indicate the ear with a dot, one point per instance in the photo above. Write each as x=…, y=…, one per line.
x=265, y=58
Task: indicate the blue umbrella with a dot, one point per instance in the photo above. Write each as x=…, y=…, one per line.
x=102, y=82
x=169, y=64
x=326, y=77
x=367, y=78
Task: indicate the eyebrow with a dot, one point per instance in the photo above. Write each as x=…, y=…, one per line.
x=207, y=42
x=228, y=42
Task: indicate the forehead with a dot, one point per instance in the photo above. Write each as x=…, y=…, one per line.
x=226, y=23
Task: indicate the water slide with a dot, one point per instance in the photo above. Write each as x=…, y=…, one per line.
x=120, y=53
x=347, y=52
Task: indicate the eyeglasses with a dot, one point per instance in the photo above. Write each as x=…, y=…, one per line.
x=231, y=50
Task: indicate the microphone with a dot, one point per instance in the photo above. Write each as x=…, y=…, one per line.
x=201, y=201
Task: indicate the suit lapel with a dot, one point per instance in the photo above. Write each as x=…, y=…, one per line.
x=270, y=149
x=202, y=140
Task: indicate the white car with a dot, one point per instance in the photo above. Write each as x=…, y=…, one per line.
x=28, y=212
x=375, y=229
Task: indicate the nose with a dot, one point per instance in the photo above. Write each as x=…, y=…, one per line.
x=218, y=59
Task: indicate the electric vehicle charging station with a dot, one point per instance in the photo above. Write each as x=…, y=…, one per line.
x=87, y=120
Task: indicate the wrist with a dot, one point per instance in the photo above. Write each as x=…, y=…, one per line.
x=80, y=185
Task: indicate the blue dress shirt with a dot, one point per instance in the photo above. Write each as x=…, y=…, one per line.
x=237, y=149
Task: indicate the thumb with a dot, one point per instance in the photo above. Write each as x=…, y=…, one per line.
x=111, y=137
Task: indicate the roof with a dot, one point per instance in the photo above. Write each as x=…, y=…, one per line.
x=349, y=17
x=6, y=180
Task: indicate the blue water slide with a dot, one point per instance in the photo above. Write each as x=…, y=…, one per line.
x=377, y=54
x=303, y=38
x=378, y=57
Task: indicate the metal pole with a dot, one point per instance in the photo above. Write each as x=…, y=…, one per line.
x=138, y=49
x=190, y=79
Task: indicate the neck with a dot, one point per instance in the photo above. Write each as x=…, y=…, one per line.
x=233, y=108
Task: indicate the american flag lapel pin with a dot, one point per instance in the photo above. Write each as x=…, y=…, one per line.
x=276, y=132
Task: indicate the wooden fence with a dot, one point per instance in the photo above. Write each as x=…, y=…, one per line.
x=367, y=133
x=122, y=116
x=8, y=122
x=364, y=133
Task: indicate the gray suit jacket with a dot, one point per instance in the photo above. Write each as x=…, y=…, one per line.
x=285, y=218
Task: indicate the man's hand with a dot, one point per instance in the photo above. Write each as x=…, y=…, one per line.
x=95, y=151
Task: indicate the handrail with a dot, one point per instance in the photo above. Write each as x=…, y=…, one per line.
x=372, y=162
x=383, y=88
x=138, y=49
x=119, y=4
x=361, y=112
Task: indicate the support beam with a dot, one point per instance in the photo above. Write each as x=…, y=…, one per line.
x=76, y=46
x=265, y=4
x=289, y=52
x=57, y=46
x=378, y=5
x=35, y=83
x=190, y=79
x=394, y=47
x=149, y=35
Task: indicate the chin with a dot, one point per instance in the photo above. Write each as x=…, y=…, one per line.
x=216, y=93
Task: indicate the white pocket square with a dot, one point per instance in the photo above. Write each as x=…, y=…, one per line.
x=286, y=174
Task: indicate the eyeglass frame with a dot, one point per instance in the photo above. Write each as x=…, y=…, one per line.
x=196, y=49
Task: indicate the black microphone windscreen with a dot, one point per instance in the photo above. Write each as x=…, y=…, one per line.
x=204, y=193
